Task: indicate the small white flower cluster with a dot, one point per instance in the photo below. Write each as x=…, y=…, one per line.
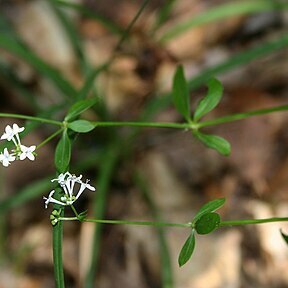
x=20, y=152
x=67, y=182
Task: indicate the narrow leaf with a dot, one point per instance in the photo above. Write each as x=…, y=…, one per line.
x=209, y=207
x=18, y=49
x=91, y=13
x=285, y=236
x=187, y=249
x=211, y=100
x=81, y=126
x=207, y=223
x=26, y=194
x=63, y=153
x=215, y=142
x=79, y=107
x=180, y=93
x=229, y=9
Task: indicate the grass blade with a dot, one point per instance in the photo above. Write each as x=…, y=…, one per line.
x=221, y=12
x=166, y=268
x=109, y=161
x=110, y=25
x=72, y=34
x=239, y=59
x=34, y=190
x=16, y=48
x=163, y=14
x=12, y=82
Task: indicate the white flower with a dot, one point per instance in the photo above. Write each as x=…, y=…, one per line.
x=67, y=181
x=6, y=158
x=83, y=187
x=10, y=132
x=61, y=178
x=27, y=152
x=50, y=199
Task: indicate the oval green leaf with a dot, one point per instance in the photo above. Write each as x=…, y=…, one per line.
x=187, y=249
x=79, y=107
x=207, y=223
x=209, y=207
x=180, y=93
x=211, y=100
x=81, y=126
x=215, y=142
x=63, y=153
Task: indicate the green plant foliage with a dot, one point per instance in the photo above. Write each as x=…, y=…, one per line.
x=31, y=191
x=57, y=254
x=63, y=153
x=81, y=126
x=180, y=93
x=207, y=223
x=284, y=236
x=20, y=50
x=79, y=107
x=209, y=207
x=211, y=100
x=187, y=249
x=215, y=142
x=231, y=8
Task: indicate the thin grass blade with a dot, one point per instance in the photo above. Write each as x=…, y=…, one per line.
x=222, y=12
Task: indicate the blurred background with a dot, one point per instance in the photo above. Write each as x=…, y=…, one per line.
x=51, y=52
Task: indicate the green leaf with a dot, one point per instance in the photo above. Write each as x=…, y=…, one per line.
x=79, y=107
x=32, y=191
x=207, y=223
x=180, y=93
x=211, y=100
x=63, y=153
x=215, y=142
x=81, y=126
x=229, y=9
x=285, y=237
x=20, y=50
x=209, y=207
x=187, y=249
x=92, y=13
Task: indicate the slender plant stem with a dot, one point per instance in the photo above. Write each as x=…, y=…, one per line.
x=240, y=116
x=125, y=222
x=49, y=138
x=57, y=255
x=32, y=118
x=183, y=225
x=75, y=212
x=131, y=24
x=253, y=221
x=147, y=124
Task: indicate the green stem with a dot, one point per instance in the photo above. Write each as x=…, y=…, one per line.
x=32, y=118
x=57, y=255
x=185, y=225
x=49, y=138
x=240, y=116
x=75, y=212
x=147, y=124
x=131, y=24
x=253, y=221
x=125, y=222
